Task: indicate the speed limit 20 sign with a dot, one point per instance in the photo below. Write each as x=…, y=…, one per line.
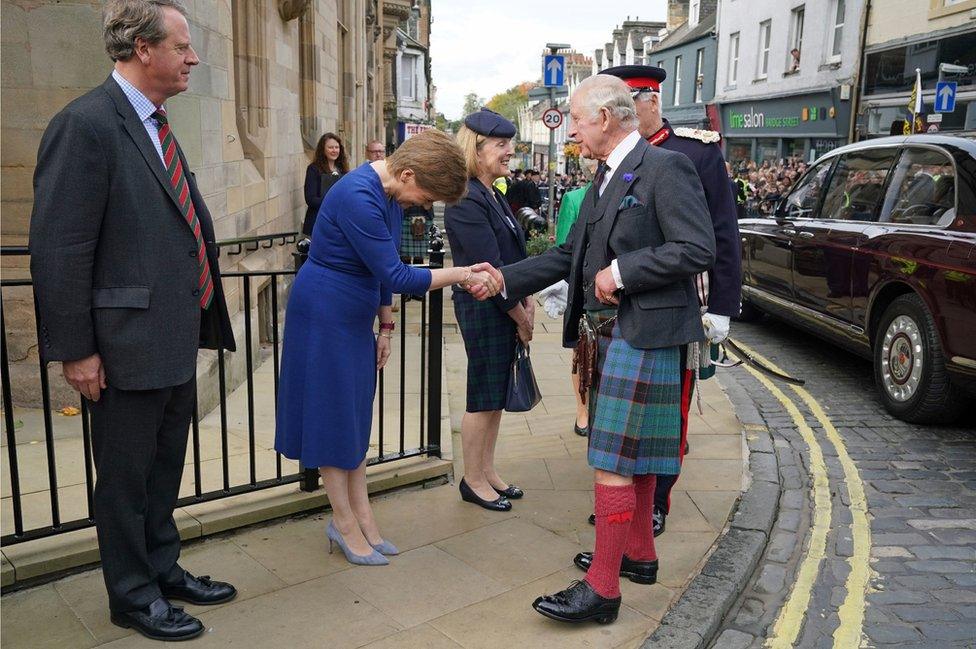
x=552, y=118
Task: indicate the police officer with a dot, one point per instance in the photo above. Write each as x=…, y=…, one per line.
x=722, y=289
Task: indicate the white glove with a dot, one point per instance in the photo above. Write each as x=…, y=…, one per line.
x=554, y=298
x=716, y=327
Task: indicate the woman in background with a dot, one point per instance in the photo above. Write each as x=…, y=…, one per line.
x=328, y=166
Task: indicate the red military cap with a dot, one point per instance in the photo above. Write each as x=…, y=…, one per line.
x=639, y=77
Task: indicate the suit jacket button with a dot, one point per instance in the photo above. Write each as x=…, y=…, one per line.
x=196, y=291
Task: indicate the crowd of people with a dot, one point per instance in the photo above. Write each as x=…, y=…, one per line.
x=128, y=287
x=759, y=186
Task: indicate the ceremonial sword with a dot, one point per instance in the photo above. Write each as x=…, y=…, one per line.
x=749, y=359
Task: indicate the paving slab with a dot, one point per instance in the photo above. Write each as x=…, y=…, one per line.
x=420, y=585
x=512, y=552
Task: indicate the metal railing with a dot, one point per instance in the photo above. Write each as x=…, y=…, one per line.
x=428, y=426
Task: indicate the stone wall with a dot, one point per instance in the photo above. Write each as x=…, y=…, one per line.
x=248, y=150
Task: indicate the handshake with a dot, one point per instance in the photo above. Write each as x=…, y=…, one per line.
x=483, y=281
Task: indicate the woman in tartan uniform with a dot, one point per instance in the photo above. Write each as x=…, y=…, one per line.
x=413, y=247
x=481, y=228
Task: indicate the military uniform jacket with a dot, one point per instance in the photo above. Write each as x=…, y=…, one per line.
x=652, y=218
x=725, y=276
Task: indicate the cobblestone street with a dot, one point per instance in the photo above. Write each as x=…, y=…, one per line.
x=920, y=486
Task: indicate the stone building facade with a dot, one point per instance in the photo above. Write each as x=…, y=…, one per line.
x=273, y=76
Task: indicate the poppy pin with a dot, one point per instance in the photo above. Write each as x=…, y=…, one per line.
x=628, y=177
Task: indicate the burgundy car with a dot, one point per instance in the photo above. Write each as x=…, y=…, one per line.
x=874, y=248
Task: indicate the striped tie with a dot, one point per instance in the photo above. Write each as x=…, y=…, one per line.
x=175, y=170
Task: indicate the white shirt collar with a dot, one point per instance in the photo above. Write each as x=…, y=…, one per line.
x=140, y=103
x=620, y=151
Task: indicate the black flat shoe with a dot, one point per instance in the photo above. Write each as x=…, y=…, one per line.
x=592, y=519
x=578, y=603
x=511, y=491
x=582, y=432
x=658, y=519
x=199, y=590
x=500, y=504
x=160, y=621
x=639, y=572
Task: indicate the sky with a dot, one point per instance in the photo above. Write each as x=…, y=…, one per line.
x=488, y=46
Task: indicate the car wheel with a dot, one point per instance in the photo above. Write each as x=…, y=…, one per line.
x=749, y=313
x=909, y=367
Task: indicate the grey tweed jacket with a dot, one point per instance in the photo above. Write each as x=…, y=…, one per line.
x=661, y=237
x=113, y=260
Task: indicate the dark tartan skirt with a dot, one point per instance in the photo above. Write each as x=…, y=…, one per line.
x=409, y=246
x=635, y=420
x=489, y=342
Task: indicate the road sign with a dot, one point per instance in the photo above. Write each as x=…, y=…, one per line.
x=945, y=96
x=553, y=69
x=553, y=118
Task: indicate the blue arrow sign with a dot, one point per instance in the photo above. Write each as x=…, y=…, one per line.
x=553, y=70
x=945, y=96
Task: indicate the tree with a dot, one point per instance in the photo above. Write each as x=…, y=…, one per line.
x=472, y=103
x=507, y=103
x=447, y=125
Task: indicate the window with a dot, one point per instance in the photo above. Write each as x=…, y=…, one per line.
x=802, y=201
x=857, y=185
x=408, y=76
x=694, y=12
x=796, y=40
x=763, y=62
x=677, y=80
x=699, y=79
x=922, y=190
x=660, y=63
x=733, y=58
x=836, y=32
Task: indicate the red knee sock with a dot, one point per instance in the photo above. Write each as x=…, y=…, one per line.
x=640, y=539
x=614, y=511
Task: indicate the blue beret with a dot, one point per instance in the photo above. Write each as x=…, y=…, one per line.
x=490, y=124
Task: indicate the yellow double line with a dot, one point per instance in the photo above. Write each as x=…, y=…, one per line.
x=789, y=622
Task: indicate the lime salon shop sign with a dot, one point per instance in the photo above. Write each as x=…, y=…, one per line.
x=816, y=114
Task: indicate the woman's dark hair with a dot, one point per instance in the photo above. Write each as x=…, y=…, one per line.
x=321, y=163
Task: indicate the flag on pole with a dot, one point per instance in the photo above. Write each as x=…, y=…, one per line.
x=914, y=102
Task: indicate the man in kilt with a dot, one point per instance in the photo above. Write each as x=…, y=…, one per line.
x=642, y=235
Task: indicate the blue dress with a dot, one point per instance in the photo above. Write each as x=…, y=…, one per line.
x=328, y=362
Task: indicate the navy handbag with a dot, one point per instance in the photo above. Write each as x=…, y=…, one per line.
x=523, y=391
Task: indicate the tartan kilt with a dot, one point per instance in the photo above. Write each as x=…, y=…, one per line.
x=489, y=342
x=635, y=406
x=410, y=247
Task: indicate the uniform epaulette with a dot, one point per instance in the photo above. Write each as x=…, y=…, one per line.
x=708, y=137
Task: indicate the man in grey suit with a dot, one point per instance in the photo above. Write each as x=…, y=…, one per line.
x=127, y=284
x=642, y=235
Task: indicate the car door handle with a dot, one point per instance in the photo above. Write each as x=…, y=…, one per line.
x=806, y=235
x=789, y=231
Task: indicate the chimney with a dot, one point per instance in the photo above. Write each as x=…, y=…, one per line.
x=677, y=14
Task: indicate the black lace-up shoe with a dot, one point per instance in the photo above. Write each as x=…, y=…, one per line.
x=578, y=603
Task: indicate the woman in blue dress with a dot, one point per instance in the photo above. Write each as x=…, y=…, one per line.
x=330, y=355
